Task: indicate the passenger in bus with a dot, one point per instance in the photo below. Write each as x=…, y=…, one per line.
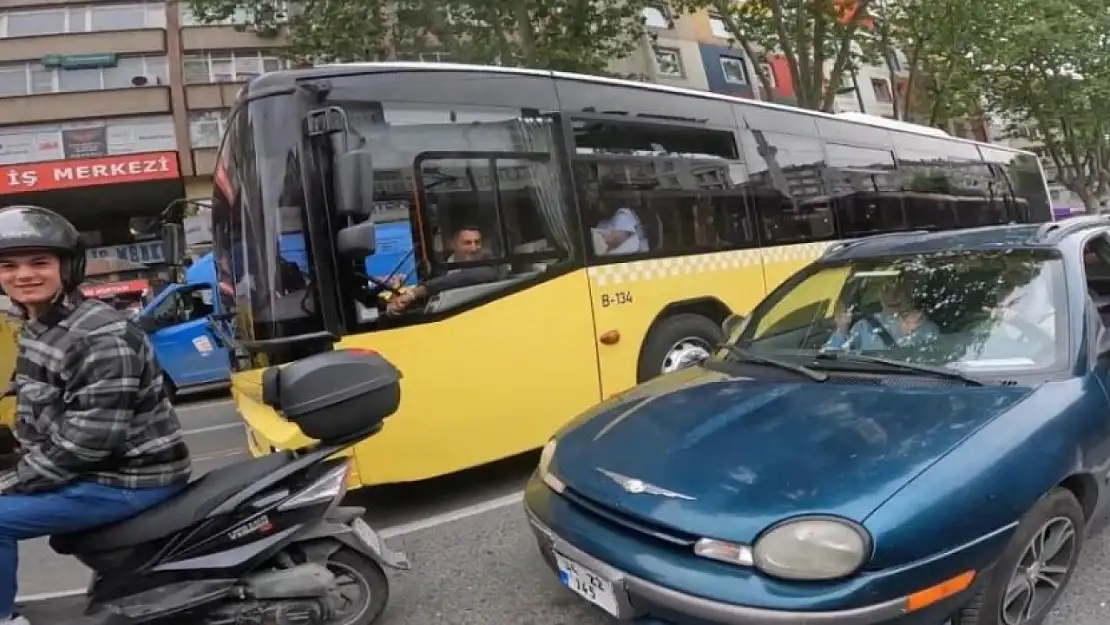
x=621, y=233
x=900, y=323
x=466, y=246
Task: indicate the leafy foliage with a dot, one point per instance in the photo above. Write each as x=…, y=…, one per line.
x=1048, y=76
x=571, y=35
x=815, y=37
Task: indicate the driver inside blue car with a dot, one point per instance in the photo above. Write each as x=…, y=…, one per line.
x=98, y=441
x=899, y=324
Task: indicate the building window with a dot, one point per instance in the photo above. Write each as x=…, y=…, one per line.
x=718, y=28
x=669, y=61
x=206, y=128
x=82, y=19
x=19, y=79
x=882, y=90
x=735, y=69
x=235, y=66
x=657, y=17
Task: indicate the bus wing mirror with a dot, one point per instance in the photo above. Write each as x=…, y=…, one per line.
x=358, y=241
x=354, y=181
x=173, y=244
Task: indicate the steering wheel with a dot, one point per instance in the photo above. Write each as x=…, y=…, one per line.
x=884, y=335
x=383, y=285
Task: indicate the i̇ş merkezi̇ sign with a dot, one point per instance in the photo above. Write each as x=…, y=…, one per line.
x=86, y=172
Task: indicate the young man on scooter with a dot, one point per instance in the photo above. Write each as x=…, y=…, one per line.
x=98, y=439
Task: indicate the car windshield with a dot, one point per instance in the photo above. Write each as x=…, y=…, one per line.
x=971, y=311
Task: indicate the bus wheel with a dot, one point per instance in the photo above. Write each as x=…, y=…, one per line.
x=675, y=343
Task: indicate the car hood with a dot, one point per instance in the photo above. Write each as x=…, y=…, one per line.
x=743, y=454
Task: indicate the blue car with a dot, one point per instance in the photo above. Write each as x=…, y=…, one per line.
x=915, y=429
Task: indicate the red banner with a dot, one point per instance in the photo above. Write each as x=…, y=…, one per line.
x=87, y=172
x=108, y=289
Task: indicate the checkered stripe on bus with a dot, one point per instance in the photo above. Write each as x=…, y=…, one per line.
x=660, y=268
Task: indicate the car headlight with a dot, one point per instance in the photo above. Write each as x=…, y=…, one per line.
x=812, y=548
x=549, y=478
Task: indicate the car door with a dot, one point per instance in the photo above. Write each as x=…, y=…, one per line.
x=1096, y=268
x=188, y=350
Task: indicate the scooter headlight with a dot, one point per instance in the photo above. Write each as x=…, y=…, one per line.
x=328, y=488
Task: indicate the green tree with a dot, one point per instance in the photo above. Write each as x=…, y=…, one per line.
x=1047, y=75
x=809, y=34
x=570, y=35
x=937, y=40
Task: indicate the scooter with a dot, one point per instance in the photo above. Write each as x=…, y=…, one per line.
x=264, y=541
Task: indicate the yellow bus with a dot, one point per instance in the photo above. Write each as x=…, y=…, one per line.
x=619, y=224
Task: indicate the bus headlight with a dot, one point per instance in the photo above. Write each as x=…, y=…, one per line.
x=549, y=478
x=811, y=548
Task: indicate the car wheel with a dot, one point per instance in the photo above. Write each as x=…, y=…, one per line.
x=677, y=342
x=1035, y=569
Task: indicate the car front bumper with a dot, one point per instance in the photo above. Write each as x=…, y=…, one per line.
x=638, y=598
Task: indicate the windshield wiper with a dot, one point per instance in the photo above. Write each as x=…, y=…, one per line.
x=749, y=355
x=942, y=372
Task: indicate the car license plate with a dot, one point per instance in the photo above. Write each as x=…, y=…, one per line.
x=591, y=586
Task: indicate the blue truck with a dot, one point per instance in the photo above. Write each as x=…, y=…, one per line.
x=179, y=319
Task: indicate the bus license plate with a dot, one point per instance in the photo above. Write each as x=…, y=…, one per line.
x=591, y=586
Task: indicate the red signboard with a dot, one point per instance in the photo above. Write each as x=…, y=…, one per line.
x=108, y=289
x=87, y=172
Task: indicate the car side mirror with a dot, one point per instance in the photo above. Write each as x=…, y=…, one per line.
x=354, y=183
x=732, y=323
x=358, y=241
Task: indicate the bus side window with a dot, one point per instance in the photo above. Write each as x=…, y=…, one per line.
x=659, y=189
x=863, y=185
x=786, y=187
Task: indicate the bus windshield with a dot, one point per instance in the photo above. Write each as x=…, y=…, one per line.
x=261, y=258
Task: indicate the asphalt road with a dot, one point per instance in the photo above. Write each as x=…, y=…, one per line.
x=474, y=560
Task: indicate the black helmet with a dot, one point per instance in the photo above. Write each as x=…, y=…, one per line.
x=26, y=228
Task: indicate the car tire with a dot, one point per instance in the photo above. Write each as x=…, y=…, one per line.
x=1054, y=512
x=668, y=336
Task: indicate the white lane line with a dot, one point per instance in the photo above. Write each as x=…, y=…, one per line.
x=444, y=518
x=453, y=516
x=213, y=428
x=202, y=405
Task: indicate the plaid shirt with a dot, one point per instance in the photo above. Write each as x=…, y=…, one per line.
x=91, y=404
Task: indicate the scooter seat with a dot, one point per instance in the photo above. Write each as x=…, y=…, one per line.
x=193, y=503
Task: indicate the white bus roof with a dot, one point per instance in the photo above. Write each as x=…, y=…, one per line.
x=851, y=117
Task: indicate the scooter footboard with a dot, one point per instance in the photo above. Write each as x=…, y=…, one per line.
x=345, y=525
x=161, y=602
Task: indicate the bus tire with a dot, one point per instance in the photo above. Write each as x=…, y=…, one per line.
x=676, y=342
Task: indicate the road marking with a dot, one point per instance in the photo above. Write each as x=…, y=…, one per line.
x=452, y=516
x=202, y=405
x=401, y=529
x=213, y=428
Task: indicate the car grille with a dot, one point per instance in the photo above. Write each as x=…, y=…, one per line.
x=625, y=521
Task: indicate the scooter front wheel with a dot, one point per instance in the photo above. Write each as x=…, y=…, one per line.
x=362, y=584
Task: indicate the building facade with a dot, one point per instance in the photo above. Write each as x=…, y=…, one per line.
x=111, y=110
